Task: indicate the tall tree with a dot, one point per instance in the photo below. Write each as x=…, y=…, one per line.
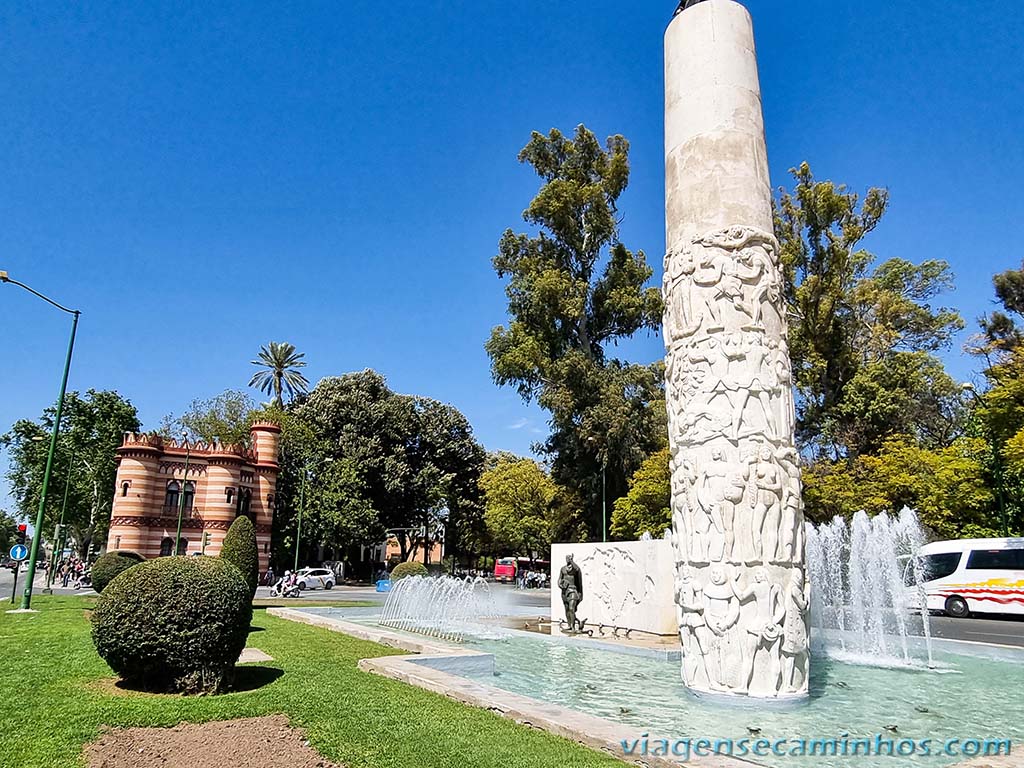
x=1001, y=329
x=92, y=430
x=281, y=362
x=226, y=418
x=519, y=498
x=396, y=462
x=946, y=486
x=573, y=291
x=999, y=415
x=848, y=314
x=647, y=506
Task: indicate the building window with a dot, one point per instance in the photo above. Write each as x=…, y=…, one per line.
x=171, y=500
x=270, y=501
x=190, y=494
x=182, y=546
x=244, y=502
x=229, y=494
x=124, y=488
x=166, y=547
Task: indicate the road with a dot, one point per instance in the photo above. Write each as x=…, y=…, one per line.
x=1007, y=630
x=538, y=600
x=999, y=631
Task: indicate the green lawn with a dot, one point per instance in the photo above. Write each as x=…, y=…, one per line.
x=52, y=701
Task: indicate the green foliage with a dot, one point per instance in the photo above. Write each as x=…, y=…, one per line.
x=946, y=486
x=378, y=460
x=281, y=362
x=174, y=624
x=404, y=570
x=92, y=431
x=1001, y=331
x=240, y=549
x=573, y=290
x=110, y=564
x=519, y=498
x=904, y=393
x=850, y=318
x=226, y=418
x=647, y=506
x=8, y=529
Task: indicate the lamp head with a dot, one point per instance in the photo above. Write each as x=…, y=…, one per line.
x=3, y=276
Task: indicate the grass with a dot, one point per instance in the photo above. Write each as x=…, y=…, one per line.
x=56, y=697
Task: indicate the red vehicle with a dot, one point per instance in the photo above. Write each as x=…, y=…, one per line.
x=506, y=568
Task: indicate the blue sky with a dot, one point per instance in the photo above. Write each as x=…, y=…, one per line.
x=201, y=178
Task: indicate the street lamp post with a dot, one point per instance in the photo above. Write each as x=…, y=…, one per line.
x=302, y=508
x=59, y=535
x=26, y=602
x=997, y=459
x=181, y=498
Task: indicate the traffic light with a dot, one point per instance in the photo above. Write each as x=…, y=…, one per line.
x=22, y=533
x=206, y=540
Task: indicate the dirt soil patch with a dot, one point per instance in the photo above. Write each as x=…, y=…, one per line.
x=256, y=742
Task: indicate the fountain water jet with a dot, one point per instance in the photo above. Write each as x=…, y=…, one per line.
x=860, y=604
x=444, y=607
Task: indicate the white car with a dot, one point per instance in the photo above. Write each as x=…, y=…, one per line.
x=315, y=578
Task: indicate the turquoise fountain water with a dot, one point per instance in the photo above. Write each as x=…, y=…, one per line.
x=874, y=673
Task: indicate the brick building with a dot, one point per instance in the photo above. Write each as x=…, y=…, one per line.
x=220, y=483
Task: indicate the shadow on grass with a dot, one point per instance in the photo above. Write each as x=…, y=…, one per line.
x=256, y=629
x=250, y=677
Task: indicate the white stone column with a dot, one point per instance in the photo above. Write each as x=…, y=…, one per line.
x=736, y=506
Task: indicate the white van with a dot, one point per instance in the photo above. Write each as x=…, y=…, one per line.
x=968, y=576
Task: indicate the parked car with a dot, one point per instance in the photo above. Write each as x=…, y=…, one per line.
x=315, y=578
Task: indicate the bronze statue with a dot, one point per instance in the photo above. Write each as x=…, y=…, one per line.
x=570, y=582
x=683, y=5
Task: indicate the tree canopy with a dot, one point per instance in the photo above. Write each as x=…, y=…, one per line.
x=376, y=461
x=646, y=508
x=574, y=289
x=519, y=500
x=281, y=364
x=226, y=418
x=93, y=429
x=861, y=334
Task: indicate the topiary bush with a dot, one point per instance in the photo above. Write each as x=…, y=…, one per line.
x=109, y=565
x=240, y=549
x=404, y=570
x=174, y=624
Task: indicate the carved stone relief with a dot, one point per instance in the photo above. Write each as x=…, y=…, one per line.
x=736, y=505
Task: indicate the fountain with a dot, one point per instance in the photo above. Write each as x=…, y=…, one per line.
x=860, y=605
x=446, y=608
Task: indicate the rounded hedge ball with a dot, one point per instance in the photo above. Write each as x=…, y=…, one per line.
x=174, y=624
x=109, y=565
x=404, y=570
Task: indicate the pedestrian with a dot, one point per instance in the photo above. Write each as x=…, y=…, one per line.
x=270, y=575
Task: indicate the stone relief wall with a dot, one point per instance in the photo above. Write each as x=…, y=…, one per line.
x=737, y=513
x=626, y=584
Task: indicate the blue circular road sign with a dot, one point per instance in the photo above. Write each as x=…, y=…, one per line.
x=19, y=552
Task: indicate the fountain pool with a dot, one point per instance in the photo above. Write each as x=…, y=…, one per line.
x=875, y=673
x=964, y=697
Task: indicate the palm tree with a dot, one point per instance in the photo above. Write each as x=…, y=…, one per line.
x=281, y=362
